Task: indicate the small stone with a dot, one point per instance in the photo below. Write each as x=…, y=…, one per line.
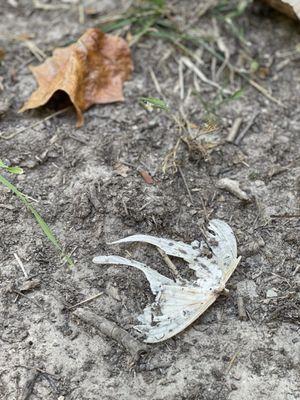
x=271, y=293
x=233, y=187
x=247, y=288
x=29, y=163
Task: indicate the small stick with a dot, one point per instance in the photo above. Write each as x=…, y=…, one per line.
x=125, y=207
x=35, y=50
x=285, y=216
x=234, y=130
x=181, y=79
x=168, y=261
x=296, y=270
x=155, y=81
x=28, y=298
x=24, y=128
x=86, y=300
x=264, y=91
x=21, y=265
x=112, y=330
x=232, y=361
x=241, y=309
x=246, y=129
x=81, y=16
x=185, y=184
x=49, y=7
x=189, y=64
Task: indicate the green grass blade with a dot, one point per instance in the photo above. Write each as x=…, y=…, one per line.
x=112, y=26
x=43, y=225
x=151, y=102
x=12, y=170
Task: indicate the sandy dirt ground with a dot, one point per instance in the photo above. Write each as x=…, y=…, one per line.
x=73, y=175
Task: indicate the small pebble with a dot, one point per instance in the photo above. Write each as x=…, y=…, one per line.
x=271, y=293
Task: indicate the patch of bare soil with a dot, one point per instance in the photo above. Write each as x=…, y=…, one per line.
x=72, y=175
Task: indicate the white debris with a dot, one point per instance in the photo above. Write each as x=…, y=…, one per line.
x=233, y=187
x=271, y=293
x=247, y=288
x=180, y=302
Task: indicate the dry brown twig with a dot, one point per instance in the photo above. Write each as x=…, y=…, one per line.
x=234, y=130
x=86, y=301
x=112, y=330
x=168, y=261
x=185, y=184
x=25, y=128
x=35, y=50
x=241, y=309
x=247, y=127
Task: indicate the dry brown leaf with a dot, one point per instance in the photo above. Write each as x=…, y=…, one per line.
x=121, y=169
x=90, y=71
x=147, y=177
x=2, y=53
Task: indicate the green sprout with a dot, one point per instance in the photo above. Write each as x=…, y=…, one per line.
x=150, y=103
x=43, y=225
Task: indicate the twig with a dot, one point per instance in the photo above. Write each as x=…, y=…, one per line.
x=125, y=207
x=264, y=91
x=49, y=7
x=241, y=309
x=232, y=68
x=21, y=265
x=222, y=47
x=232, y=361
x=188, y=63
x=285, y=216
x=185, y=184
x=35, y=50
x=246, y=129
x=86, y=300
x=112, y=330
x=181, y=79
x=296, y=270
x=24, y=128
x=234, y=130
x=168, y=261
x=155, y=81
x=81, y=14
x=28, y=298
